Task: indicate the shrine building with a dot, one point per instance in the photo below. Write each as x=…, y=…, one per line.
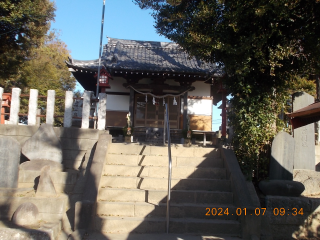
x=140, y=76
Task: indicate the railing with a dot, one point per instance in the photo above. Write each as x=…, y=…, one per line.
x=167, y=127
x=33, y=106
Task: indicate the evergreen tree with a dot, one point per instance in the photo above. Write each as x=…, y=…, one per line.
x=46, y=70
x=23, y=24
x=265, y=47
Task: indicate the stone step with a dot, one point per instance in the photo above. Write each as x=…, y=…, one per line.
x=158, y=225
x=162, y=172
x=160, y=161
x=158, y=236
x=157, y=196
x=187, y=210
x=176, y=150
x=162, y=183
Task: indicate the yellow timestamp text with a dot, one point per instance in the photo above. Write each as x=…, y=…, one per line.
x=257, y=211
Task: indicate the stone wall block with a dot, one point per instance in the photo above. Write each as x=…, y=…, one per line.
x=77, y=133
x=73, y=155
x=288, y=203
x=51, y=97
x=86, y=109
x=102, y=111
x=33, y=107
x=15, y=106
x=304, y=154
x=67, y=121
x=8, y=130
x=46, y=187
x=26, y=131
x=282, y=155
x=43, y=145
x=9, y=161
x=27, y=214
x=77, y=144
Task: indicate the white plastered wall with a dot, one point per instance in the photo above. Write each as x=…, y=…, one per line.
x=200, y=106
x=202, y=89
x=117, y=85
x=117, y=102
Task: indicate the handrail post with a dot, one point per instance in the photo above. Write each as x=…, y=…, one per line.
x=169, y=166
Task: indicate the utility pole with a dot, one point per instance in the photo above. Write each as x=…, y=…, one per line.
x=99, y=67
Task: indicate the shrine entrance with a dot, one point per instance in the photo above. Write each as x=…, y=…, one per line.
x=151, y=114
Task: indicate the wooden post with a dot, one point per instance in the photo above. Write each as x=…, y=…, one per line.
x=51, y=97
x=15, y=106
x=33, y=105
x=38, y=118
x=102, y=111
x=185, y=110
x=67, y=120
x=86, y=109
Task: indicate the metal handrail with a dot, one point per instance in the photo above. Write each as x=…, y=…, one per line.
x=169, y=165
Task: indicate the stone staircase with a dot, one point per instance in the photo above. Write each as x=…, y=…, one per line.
x=133, y=190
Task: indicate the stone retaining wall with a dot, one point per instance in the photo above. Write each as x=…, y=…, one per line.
x=288, y=224
x=78, y=147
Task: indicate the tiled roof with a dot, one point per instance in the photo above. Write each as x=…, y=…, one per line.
x=147, y=56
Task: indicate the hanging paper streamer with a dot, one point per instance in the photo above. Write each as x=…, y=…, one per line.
x=153, y=101
x=164, y=102
x=146, y=98
x=174, y=101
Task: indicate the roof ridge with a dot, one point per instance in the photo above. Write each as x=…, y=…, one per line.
x=143, y=44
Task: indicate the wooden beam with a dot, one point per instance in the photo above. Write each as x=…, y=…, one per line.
x=164, y=87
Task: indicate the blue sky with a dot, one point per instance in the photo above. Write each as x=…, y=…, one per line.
x=79, y=23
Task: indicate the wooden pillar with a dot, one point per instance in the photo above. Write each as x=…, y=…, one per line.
x=38, y=118
x=185, y=110
x=224, y=114
x=131, y=106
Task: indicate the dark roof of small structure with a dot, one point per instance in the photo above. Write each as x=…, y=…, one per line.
x=306, y=115
x=147, y=56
